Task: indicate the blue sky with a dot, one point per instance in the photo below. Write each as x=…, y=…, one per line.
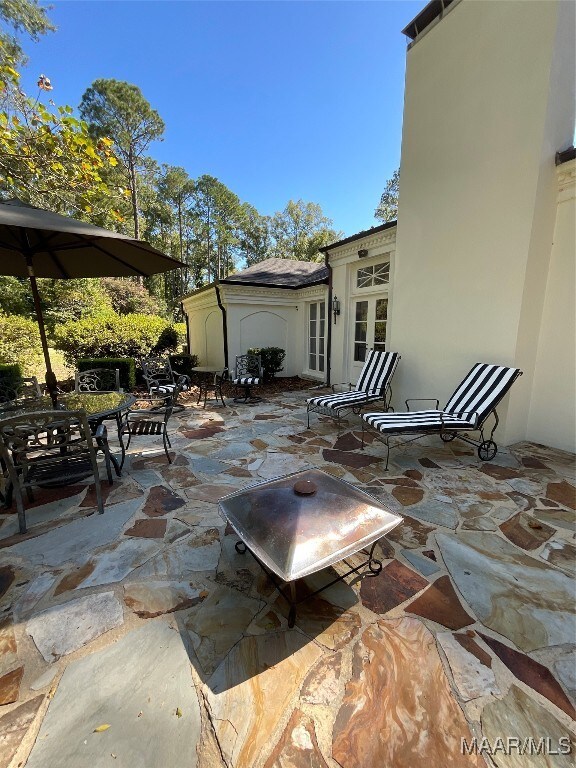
x=279, y=100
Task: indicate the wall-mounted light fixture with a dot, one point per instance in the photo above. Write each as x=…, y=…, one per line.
x=362, y=253
x=335, y=307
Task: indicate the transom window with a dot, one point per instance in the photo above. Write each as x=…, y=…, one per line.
x=375, y=274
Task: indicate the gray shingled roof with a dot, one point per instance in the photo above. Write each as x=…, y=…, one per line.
x=280, y=273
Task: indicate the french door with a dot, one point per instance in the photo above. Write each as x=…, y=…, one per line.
x=316, y=336
x=368, y=329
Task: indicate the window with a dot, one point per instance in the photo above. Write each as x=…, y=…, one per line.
x=360, y=330
x=316, y=334
x=376, y=274
x=381, y=316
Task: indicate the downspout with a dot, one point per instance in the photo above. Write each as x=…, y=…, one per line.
x=329, y=318
x=187, y=321
x=224, y=323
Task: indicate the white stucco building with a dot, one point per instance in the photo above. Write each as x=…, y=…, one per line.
x=480, y=266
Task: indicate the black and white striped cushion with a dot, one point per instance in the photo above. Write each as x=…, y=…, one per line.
x=416, y=421
x=246, y=381
x=341, y=400
x=481, y=390
x=377, y=371
x=374, y=377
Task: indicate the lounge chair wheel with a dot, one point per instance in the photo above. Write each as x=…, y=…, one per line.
x=447, y=437
x=487, y=450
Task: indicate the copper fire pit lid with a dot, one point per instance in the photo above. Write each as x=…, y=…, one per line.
x=297, y=534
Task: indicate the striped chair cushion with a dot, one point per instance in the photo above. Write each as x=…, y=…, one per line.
x=167, y=389
x=377, y=371
x=472, y=402
x=481, y=390
x=246, y=381
x=340, y=400
x=416, y=421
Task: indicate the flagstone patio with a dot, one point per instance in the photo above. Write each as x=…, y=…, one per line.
x=142, y=638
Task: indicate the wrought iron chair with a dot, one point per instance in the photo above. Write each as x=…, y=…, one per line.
x=50, y=448
x=467, y=410
x=150, y=416
x=248, y=373
x=23, y=389
x=372, y=386
x=162, y=379
x=98, y=380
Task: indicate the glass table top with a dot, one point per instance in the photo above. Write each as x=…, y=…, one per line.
x=296, y=534
x=94, y=403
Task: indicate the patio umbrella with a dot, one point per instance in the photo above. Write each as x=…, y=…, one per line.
x=37, y=243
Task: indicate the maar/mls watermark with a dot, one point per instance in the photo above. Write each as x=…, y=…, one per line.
x=513, y=745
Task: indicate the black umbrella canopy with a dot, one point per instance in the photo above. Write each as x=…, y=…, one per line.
x=37, y=243
x=61, y=247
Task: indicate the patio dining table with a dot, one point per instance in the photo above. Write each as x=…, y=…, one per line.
x=99, y=407
x=302, y=523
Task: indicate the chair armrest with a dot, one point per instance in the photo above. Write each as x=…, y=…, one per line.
x=343, y=384
x=422, y=400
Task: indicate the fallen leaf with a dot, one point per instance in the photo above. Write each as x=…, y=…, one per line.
x=113, y=755
x=534, y=524
x=140, y=713
x=103, y=727
x=178, y=712
x=470, y=632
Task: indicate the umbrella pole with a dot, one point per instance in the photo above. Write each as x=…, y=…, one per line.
x=50, y=377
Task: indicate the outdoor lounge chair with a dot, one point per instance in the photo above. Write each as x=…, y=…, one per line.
x=248, y=373
x=473, y=401
x=372, y=386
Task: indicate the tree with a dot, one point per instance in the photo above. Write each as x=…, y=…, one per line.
x=387, y=209
x=255, y=242
x=24, y=16
x=47, y=157
x=299, y=230
x=118, y=110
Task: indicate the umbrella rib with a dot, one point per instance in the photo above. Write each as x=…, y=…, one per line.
x=59, y=265
x=119, y=260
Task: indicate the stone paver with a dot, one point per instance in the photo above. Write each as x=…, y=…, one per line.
x=142, y=688
x=147, y=620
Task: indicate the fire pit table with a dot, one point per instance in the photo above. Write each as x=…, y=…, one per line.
x=302, y=523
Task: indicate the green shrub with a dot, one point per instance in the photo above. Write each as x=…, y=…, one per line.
x=110, y=335
x=183, y=363
x=125, y=365
x=10, y=377
x=272, y=359
x=182, y=332
x=168, y=340
x=20, y=343
x=129, y=297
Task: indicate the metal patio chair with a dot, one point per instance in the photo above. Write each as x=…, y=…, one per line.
x=467, y=410
x=248, y=373
x=50, y=448
x=150, y=416
x=23, y=389
x=373, y=386
x=97, y=380
x=162, y=379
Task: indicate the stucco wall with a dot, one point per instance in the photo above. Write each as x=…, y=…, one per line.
x=553, y=405
x=488, y=102
x=205, y=327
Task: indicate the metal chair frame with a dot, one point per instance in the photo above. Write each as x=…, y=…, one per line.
x=248, y=373
x=50, y=448
x=152, y=420
x=214, y=384
x=97, y=379
x=485, y=445
x=161, y=378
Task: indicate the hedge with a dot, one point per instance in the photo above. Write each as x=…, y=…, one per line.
x=125, y=365
x=113, y=335
x=20, y=343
